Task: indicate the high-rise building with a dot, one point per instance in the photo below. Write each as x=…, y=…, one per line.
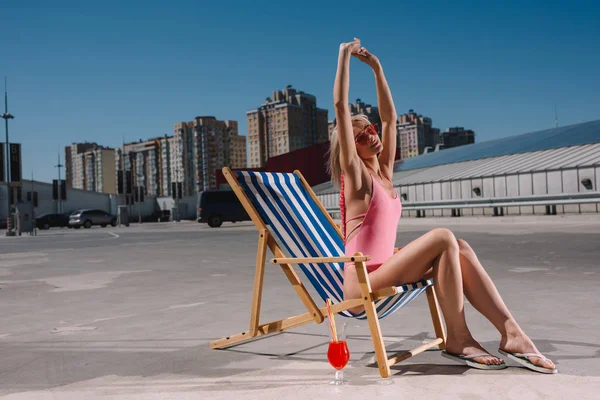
x=74, y=163
x=203, y=145
x=166, y=147
x=457, y=136
x=415, y=133
x=150, y=164
x=357, y=108
x=288, y=121
x=100, y=170
x=183, y=156
x=90, y=166
x=176, y=159
x=235, y=151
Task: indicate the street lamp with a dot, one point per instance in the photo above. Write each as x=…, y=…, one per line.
x=6, y=117
x=59, y=194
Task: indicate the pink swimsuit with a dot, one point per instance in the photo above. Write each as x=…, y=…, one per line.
x=377, y=234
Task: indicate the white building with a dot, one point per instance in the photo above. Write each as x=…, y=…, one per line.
x=550, y=171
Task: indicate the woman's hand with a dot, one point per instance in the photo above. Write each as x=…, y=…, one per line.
x=350, y=47
x=370, y=59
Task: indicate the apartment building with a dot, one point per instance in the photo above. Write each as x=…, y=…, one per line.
x=89, y=166
x=202, y=146
x=287, y=121
x=415, y=133
x=457, y=136
x=143, y=159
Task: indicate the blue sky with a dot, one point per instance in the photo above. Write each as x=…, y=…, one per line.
x=81, y=73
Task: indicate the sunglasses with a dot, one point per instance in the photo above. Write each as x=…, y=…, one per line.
x=363, y=136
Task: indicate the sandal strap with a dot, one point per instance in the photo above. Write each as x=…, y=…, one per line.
x=530, y=355
x=476, y=355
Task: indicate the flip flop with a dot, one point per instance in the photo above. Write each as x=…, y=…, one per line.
x=523, y=359
x=468, y=360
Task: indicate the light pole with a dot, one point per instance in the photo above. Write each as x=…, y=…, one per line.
x=6, y=117
x=177, y=191
x=59, y=166
x=33, y=205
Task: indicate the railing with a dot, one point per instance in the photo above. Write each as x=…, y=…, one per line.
x=523, y=201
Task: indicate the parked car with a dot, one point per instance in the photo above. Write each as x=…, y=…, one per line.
x=47, y=221
x=158, y=216
x=89, y=218
x=218, y=206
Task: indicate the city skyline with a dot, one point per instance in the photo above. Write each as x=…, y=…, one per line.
x=499, y=70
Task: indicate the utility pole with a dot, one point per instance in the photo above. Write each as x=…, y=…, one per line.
x=6, y=117
x=59, y=166
x=33, y=205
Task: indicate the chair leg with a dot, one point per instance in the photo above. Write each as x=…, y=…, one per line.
x=436, y=317
x=258, y=282
x=372, y=318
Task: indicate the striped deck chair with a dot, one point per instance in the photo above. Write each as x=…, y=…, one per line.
x=294, y=225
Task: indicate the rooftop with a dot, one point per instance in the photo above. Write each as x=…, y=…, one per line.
x=572, y=146
x=572, y=135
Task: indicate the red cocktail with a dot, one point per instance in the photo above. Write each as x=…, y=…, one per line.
x=338, y=354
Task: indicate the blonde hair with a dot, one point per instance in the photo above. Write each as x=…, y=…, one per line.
x=334, y=167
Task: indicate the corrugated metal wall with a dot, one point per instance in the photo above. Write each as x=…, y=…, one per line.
x=547, y=172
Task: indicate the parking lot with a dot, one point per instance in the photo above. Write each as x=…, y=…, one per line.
x=128, y=313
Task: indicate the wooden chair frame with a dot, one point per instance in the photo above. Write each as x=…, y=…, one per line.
x=314, y=313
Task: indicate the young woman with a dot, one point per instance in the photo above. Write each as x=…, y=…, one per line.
x=362, y=164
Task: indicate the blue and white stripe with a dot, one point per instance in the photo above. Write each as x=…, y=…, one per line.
x=302, y=230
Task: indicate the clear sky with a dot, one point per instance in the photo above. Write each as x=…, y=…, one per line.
x=95, y=73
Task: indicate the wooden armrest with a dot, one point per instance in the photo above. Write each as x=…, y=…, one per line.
x=317, y=260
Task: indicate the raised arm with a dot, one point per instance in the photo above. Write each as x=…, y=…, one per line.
x=340, y=102
x=387, y=112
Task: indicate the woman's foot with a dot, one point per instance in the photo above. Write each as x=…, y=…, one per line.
x=523, y=345
x=470, y=346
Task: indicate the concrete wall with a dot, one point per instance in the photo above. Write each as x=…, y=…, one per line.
x=187, y=205
x=80, y=199
x=76, y=199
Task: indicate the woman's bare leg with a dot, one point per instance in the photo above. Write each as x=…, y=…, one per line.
x=440, y=249
x=483, y=295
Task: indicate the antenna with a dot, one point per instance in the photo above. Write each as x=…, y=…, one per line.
x=555, y=117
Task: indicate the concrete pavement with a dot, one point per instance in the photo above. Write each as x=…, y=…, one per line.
x=128, y=313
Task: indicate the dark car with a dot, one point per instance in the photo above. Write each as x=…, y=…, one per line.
x=47, y=221
x=158, y=216
x=89, y=218
x=218, y=206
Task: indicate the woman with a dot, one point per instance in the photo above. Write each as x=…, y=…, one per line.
x=362, y=164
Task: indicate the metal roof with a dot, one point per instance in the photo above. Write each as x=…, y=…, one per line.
x=574, y=146
x=567, y=157
x=572, y=135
